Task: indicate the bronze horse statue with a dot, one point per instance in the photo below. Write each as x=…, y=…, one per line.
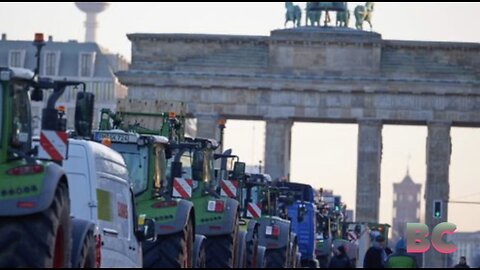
x=364, y=13
x=314, y=16
x=294, y=14
x=343, y=17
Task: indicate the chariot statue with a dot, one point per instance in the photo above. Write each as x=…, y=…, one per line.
x=315, y=9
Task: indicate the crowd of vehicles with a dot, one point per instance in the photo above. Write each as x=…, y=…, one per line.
x=137, y=193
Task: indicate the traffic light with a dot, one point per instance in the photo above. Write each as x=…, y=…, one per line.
x=337, y=202
x=437, y=209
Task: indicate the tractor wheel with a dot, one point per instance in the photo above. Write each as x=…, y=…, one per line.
x=200, y=261
x=298, y=262
x=252, y=247
x=40, y=240
x=241, y=257
x=323, y=261
x=261, y=260
x=276, y=258
x=88, y=254
x=293, y=255
x=220, y=250
x=170, y=251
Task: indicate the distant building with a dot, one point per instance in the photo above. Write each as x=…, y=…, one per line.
x=468, y=245
x=72, y=60
x=350, y=217
x=406, y=206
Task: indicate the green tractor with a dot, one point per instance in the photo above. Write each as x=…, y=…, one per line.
x=147, y=156
x=217, y=216
x=190, y=175
x=268, y=229
x=229, y=176
x=37, y=230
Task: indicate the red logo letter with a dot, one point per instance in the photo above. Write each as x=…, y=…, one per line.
x=437, y=234
x=417, y=241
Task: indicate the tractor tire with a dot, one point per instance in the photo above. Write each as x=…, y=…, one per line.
x=40, y=240
x=241, y=257
x=200, y=260
x=293, y=255
x=88, y=254
x=276, y=258
x=170, y=251
x=298, y=261
x=323, y=261
x=311, y=264
x=261, y=260
x=252, y=247
x=221, y=250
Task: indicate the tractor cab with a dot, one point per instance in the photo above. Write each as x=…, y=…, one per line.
x=230, y=175
x=34, y=186
x=254, y=196
x=192, y=160
x=145, y=159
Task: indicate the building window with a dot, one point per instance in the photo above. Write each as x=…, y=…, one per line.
x=410, y=198
x=87, y=61
x=16, y=58
x=52, y=60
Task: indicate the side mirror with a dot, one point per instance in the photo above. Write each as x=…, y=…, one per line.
x=176, y=169
x=239, y=170
x=146, y=230
x=84, y=114
x=197, y=166
x=37, y=94
x=168, y=152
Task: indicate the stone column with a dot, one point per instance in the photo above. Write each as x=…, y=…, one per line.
x=277, y=147
x=207, y=126
x=439, y=149
x=369, y=159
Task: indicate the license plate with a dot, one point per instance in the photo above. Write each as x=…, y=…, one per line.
x=121, y=138
x=211, y=206
x=268, y=230
x=114, y=137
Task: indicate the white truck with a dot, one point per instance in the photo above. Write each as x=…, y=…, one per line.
x=100, y=192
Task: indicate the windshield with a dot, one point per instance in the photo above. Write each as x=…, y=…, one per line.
x=136, y=159
x=250, y=195
x=197, y=164
x=253, y=198
x=160, y=167
x=185, y=157
x=21, y=133
x=298, y=192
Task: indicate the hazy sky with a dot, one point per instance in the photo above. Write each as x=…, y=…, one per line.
x=322, y=154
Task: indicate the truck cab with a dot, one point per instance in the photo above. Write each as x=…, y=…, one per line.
x=100, y=192
x=302, y=211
